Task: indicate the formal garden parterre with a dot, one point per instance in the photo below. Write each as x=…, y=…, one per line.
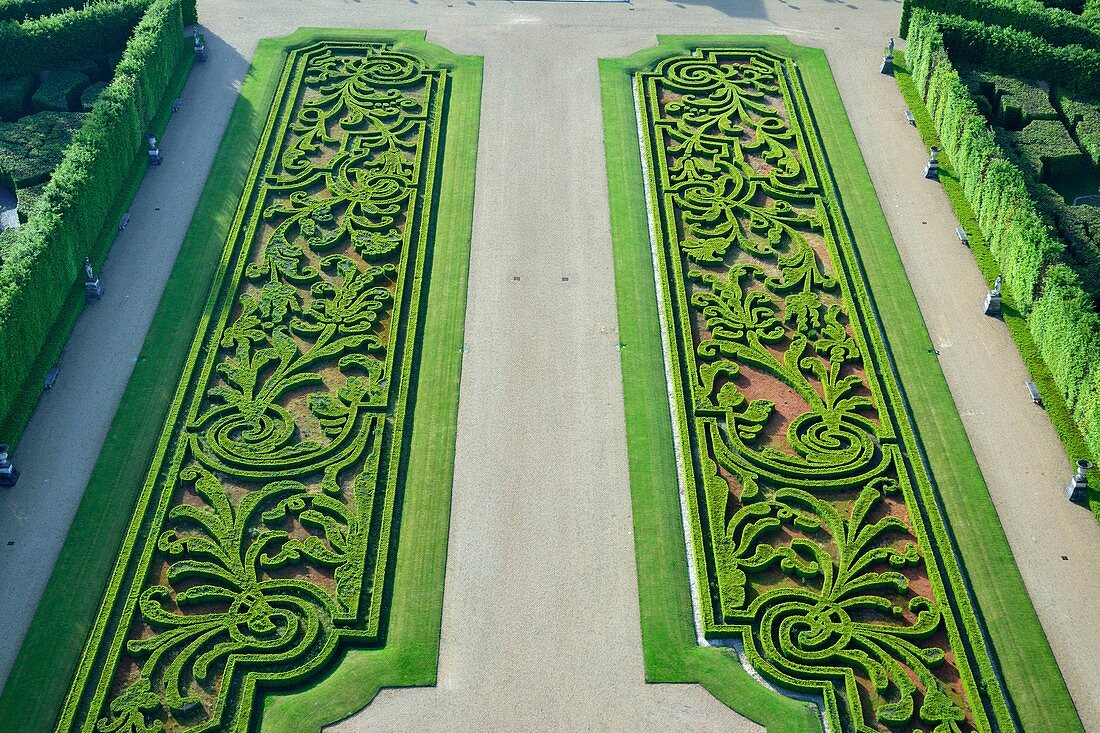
x=822, y=547
x=261, y=543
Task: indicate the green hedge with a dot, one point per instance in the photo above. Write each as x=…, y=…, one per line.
x=1084, y=115
x=19, y=10
x=1056, y=25
x=60, y=91
x=1067, y=331
x=91, y=94
x=68, y=37
x=14, y=91
x=1018, y=219
x=46, y=258
x=32, y=147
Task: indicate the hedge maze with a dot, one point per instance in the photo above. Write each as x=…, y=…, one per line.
x=260, y=543
x=818, y=542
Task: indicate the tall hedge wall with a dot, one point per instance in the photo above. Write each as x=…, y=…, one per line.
x=20, y=10
x=1033, y=259
x=44, y=260
x=76, y=35
x=1056, y=25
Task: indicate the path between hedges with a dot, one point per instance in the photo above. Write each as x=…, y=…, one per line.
x=540, y=620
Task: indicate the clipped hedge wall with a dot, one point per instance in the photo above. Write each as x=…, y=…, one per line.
x=14, y=91
x=1056, y=25
x=1038, y=269
x=60, y=91
x=23, y=9
x=45, y=260
x=69, y=37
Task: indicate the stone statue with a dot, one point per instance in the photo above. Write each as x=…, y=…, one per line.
x=997, y=287
x=890, y=48
x=89, y=274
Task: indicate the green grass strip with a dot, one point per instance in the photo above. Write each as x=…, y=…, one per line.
x=1039, y=694
x=32, y=698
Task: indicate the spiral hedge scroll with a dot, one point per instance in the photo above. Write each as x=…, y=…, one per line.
x=261, y=541
x=817, y=538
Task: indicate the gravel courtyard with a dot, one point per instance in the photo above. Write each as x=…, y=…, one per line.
x=540, y=620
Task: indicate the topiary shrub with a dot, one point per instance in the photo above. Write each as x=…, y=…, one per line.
x=1047, y=149
x=60, y=90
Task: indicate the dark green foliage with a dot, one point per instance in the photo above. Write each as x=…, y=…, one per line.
x=91, y=94
x=32, y=147
x=23, y=9
x=190, y=12
x=1056, y=25
x=14, y=92
x=60, y=90
x=69, y=37
x=1016, y=101
x=26, y=200
x=45, y=261
x=1047, y=149
x=1017, y=52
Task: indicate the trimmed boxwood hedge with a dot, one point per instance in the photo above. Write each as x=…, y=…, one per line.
x=45, y=260
x=14, y=91
x=60, y=91
x=1056, y=25
x=32, y=147
x=68, y=37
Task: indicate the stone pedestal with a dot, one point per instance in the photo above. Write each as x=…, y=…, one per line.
x=992, y=305
x=8, y=474
x=1077, y=488
x=93, y=289
x=155, y=157
x=887, y=65
x=932, y=170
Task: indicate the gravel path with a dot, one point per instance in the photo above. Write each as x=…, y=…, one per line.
x=540, y=625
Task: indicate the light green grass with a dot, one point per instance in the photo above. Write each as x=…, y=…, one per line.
x=40, y=679
x=1017, y=641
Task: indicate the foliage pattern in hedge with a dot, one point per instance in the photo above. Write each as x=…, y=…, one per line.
x=818, y=541
x=261, y=539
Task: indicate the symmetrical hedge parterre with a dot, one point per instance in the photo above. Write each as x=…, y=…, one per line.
x=261, y=540
x=817, y=539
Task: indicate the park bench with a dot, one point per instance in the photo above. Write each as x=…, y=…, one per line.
x=177, y=104
x=51, y=377
x=910, y=118
x=1034, y=392
x=962, y=235
x=122, y=222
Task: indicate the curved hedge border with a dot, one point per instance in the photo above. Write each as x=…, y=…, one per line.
x=1038, y=279
x=43, y=264
x=270, y=500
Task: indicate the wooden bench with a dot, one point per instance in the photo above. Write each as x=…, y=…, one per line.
x=177, y=103
x=962, y=235
x=122, y=222
x=51, y=377
x=1034, y=392
x=910, y=118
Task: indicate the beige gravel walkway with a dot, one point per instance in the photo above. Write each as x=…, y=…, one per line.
x=540, y=625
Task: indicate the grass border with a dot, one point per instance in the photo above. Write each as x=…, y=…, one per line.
x=36, y=689
x=1016, y=638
